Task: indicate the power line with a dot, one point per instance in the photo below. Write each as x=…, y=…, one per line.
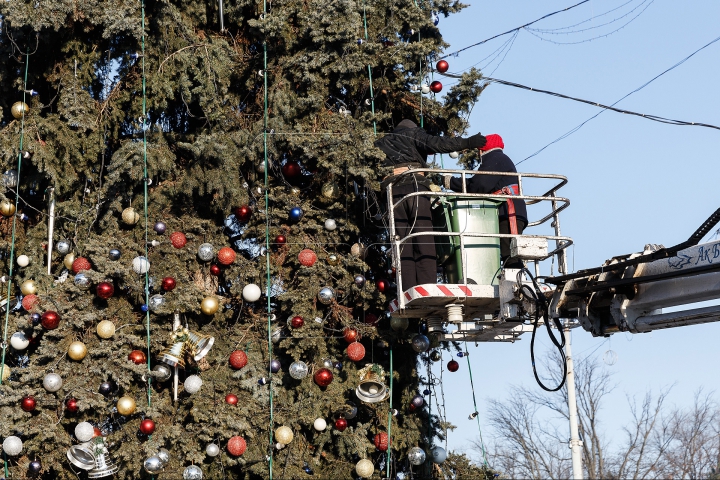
x=578, y=127
x=557, y=31
x=550, y=30
x=513, y=30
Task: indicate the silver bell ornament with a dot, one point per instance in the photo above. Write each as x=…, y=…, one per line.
x=416, y=456
x=326, y=295
x=192, y=472
x=104, y=465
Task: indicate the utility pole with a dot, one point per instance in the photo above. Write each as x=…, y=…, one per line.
x=575, y=442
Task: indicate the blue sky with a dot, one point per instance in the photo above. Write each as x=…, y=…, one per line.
x=631, y=181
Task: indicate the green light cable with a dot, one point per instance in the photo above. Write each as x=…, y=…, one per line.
x=477, y=417
x=267, y=242
x=387, y=463
x=12, y=241
x=145, y=182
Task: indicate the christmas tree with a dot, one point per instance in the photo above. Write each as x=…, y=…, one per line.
x=196, y=264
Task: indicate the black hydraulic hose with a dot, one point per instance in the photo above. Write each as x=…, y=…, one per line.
x=541, y=310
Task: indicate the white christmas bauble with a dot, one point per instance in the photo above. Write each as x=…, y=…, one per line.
x=438, y=454
x=84, y=431
x=212, y=450
x=52, y=382
x=454, y=154
x=23, y=260
x=206, y=252
x=425, y=88
x=251, y=293
x=330, y=224
x=140, y=265
x=320, y=424
x=19, y=341
x=12, y=445
x=365, y=468
x=192, y=472
x=193, y=384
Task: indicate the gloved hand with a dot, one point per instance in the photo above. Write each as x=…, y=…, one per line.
x=446, y=181
x=477, y=141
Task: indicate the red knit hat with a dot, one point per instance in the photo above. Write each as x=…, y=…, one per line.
x=493, y=141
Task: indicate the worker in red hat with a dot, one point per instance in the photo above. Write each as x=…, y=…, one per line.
x=513, y=212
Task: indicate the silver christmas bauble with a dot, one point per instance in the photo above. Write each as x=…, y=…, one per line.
x=140, y=265
x=438, y=454
x=193, y=384
x=156, y=302
x=114, y=254
x=162, y=372
x=52, y=382
x=12, y=445
x=153, y=465
x=420, y=343
x=298, y=370
x=212, y=450
x=84, y=431
x=192, y=472
x=19, y=341
x=326, y=295
x=327, y=363
x=63, y=247
x=81, y=281
x=416, y=456
x=330, y=224
x=164, y=456
x=206, y=252
x=360, y=281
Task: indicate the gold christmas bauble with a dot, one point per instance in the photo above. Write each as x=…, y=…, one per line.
x=106, y=329
x=77, y=350
x=209, y=305
x=365, y=468
x=126, y=405
x=7, y=208
x=28, y=287
x=333, y=259
x=68, y=260
x=130, y=216
x=5, y=372
x=284, y=435
x=18, y=109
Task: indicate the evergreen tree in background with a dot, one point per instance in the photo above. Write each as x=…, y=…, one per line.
x=243, y=204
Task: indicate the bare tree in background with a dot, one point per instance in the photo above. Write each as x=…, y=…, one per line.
x=659, y=442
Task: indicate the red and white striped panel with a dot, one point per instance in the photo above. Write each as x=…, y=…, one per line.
x=431, y=290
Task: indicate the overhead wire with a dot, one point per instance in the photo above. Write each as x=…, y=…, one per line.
x=556, y=31
x=588, y=19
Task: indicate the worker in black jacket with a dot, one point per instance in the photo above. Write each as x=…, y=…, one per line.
x=405, y=148
x=512, y=213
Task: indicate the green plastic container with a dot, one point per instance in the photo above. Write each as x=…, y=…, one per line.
x=482, y=255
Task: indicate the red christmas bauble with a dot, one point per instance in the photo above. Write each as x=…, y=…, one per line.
x=147, y=426
x=340, y=424
x=307, y=257
x=323, y=377
x=72, y=405
x=381, y=441
x=50, y=320
x=453, y=366
x=297, y=322
x=231, y=399
x=105, y=290
x=178, y=239
x=226, y=256
x=291, y=169
x=442, y=66
x=351, y=335
x=137, y=357
x=28, y=403
x=214, y=270
x=436, y=87
x=280, y=240
x=169, y=284
x=243, y=213
x=98, y=433
x=80, y=264
x=238, y=359
x=29, y=301
x=356, y=351
x=236, y=446
x=371, y=319
x=382, y=285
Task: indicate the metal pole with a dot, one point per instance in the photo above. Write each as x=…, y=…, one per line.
x=222, y=25
x=176, y=379
x=51, y=227
x=575, y=442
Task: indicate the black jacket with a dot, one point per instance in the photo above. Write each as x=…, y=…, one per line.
x=408, y=145
x=493, y=161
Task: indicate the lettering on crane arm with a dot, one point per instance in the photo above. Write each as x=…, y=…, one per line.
x=706, y=254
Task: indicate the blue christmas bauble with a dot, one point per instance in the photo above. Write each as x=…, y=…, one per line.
x=296, y=214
